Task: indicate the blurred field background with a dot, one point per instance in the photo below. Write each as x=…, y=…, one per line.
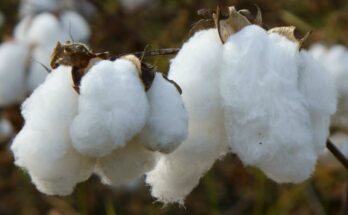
x=229, y=188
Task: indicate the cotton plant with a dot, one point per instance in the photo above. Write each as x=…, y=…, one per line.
x=34, y=38
x=77, y=126
x=253, y=90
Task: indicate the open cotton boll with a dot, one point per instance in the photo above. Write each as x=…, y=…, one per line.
x=13, y=63
x=6, y=129
x=76, y=26
x=43, y=147
x=30, y=7
x=167, y=125
x=266, y=119
x=335, y=61
x=44, y=29
x=126, y=164
x=196, y=70
x=318, y=87
x=112, y=108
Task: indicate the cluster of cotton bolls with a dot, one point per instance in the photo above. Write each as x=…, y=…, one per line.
x=256, y=93
x=34, y=38
x=113, y=128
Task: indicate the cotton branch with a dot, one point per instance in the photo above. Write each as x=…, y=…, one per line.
x=151, y=53
x=337, y=153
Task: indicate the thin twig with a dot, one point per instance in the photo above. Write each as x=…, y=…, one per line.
x=151, y=53
x=337, y=153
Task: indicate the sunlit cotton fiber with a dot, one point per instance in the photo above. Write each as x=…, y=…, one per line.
x=13, y=69
x=196, y=70
x=167, y=124
x=43, y=147
x=112, y=108
x=273, y=117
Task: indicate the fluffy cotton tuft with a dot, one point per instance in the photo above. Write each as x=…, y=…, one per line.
x=112, y=108
x=273, y=117
x=13, y=63
x=30, y=7
x=195, y=69
x=335, y=61
x=167, y=124
x=43, y=147
x=126, y=164
x=6, y=129
x=76, y=26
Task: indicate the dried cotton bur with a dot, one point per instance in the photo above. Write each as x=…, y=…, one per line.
x=73, y=129
x=253, y=90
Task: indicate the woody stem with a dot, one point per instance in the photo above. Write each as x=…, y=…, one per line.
x=152, y=53
x=337, y=153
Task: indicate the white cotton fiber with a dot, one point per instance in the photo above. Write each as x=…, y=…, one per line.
x=6, y=129
x=266, y=117
x=29, y=7
x=196, y=70
x=319, y=89
x=112, y=108
x=75, y=26
x=167, y=124
x=43, y=30
x=126, y=164
x=335, y=61
x=43, y=147
x=13, y=63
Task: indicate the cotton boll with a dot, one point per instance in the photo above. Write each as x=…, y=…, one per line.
x=126, y=164
x=112, y=108
x=30, y=7
x=21, y=28
x=43, y=147
x=45, y=29
x=76, y=26
x=196, y=70
x=266, y=119
x=335, y=62
x=319, y=89
x=13, y=63
x=6, y=129
x=167, y=125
